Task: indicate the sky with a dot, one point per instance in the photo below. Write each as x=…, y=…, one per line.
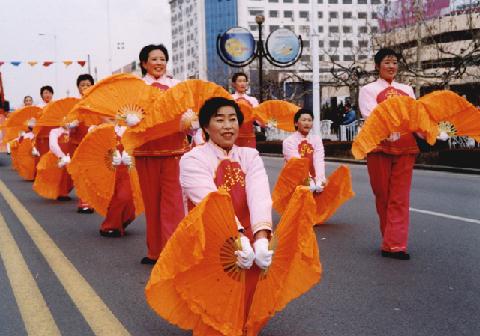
x=59, y=30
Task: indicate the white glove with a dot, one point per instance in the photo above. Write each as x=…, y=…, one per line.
x=21, y=134
x=126, y=159
x=187, y=121
x=31, y=122
x=443, y=136
x=263, y=256
x=116, y=158
x=72, y=124
x=35, y=152
x=65, y=160
x=394, y=137
x=91, y=128
x=245, y=256
x=132, y=119
x=317, y=188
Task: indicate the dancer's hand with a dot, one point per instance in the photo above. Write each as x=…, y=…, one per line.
x=246, y=255
x=132, y=119
x=263, y=256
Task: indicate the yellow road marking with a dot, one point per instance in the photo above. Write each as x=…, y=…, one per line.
x=36, y=316
x=98, y=316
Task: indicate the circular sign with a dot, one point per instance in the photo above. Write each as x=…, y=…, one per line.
x=237, y=45
x=283, y=46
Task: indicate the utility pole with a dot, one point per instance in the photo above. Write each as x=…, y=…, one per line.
x=260, y=19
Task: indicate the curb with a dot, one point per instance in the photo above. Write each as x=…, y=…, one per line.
x=450, y=169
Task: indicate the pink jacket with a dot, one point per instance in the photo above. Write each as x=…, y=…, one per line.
x=252, y=100
x=290, y=150
x=197, y=174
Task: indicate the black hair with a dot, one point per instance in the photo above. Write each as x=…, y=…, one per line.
x=210, y=108
x=143, y=56
x=238, y=74
x=300, y=112
x=385, y=52
x=46, y=88
x=27, y=97
x=85, y=77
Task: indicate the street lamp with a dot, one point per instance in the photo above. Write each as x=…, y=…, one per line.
x=260, y=19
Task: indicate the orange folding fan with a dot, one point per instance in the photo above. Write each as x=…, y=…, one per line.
x=295, y=265
x=93, y=174
x=116, y=96
x=25, y=161
x=293, y=174
x=17, y=121
x=196, y=283
x=454, y=114
x=278, y=113
x=168, y=109
x=54, y=114
x=247, y=110
x=49, y=176
x=397, y=114
x=337, y=191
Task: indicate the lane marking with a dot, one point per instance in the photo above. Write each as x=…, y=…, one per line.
x=36, y=315
x=98, y=316
x=439, y=214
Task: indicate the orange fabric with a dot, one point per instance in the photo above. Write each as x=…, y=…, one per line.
x=293, y=174
x=337, y=191
x=196, y=284
x=391, y=178
x=25, y=162
x=163, y=119
x=121, y=209
x=162, y=197
x=295, y=265
x=277, y=112
x=92, y=171
x=51, y=181
x=174, y=144
x=54, y=114
x=17, y=121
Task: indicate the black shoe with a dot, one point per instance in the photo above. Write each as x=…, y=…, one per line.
x=148, y=261
x=64, y=198
x=110, y=233
x=85, y=210
x=400, y=255
x=127, y=223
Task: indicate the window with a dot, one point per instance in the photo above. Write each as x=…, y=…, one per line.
x=273, y=13
x=333, y=15
x=362, y=29
x=363, y=44
x=289, y=27
x=348, y=58
x=253, y=27
x=288, y=14
x=362, y=57
x=320, y=15
x=306, y=43
x=347, y=29
x=320, y=58
x=362, y=2
x=272, y=0
x=362, y=15
x=375, y=2
x=334, y=58
x=320, y=1
x=347, y=44
x=320, y=29
x=304, y=1
x=305, y=58
x=273, y=28
x=374, y=30
x=321, y=44
x=333, y=44
x=287, y=1
x=347, y=2
x=347, y=15
x=333, y=29
x=333, y=1
x=374, y=15
x=303, y=14
x=255, y=12
x=305, y=29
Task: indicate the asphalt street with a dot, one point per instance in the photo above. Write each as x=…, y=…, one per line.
x=437, y=292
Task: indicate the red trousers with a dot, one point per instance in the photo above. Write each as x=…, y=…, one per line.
x=66, y=183
x=162, y=197
x=391, y=179
x=121, y=210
